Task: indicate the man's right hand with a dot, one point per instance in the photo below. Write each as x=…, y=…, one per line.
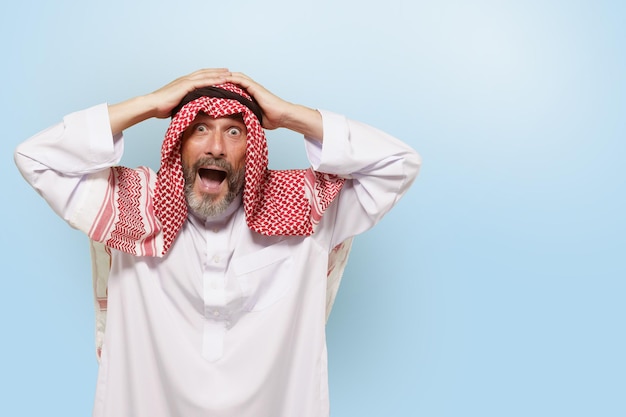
x=160, y=103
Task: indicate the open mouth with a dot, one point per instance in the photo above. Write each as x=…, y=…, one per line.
x=211, y=178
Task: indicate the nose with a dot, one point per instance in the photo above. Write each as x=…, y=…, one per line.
x=214, y=145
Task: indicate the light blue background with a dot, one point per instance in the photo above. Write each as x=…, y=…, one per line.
x=495, y=288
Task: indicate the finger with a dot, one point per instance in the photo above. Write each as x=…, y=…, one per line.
x=208, y=72
x=242, y=79
x=208, y=77
x=202, y=78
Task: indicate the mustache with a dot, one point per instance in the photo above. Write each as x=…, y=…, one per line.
x=216, y=162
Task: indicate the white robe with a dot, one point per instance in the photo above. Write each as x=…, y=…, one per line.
x=229, y=323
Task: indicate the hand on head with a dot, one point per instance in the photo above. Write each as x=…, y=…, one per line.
x=278, y=112
x=167, y=97
x=275, y=109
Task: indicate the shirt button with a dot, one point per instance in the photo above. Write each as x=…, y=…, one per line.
x=216, y=313
x=216, y=259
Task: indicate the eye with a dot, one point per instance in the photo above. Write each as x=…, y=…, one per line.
x=234, y=131
x=201, y=128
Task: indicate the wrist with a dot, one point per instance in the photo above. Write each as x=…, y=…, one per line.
x=130, y=112
x=147, y=106
x=304, y=120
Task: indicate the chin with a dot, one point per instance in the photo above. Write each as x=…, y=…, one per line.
x=207, y=205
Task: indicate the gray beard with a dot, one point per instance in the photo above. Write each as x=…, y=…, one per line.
x=207, y=206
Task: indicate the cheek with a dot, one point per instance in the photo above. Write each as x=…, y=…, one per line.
x=185, y=151
x=185, y=161
x=190, y=151
x=239, y=159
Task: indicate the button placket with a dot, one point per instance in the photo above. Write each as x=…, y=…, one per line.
x=218, y=299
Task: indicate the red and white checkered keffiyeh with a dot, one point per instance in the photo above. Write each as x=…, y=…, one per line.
x=286, y=202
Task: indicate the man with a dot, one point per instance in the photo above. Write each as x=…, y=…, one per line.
x=213, y=273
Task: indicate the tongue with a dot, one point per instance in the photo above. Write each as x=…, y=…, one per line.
x=211, y=178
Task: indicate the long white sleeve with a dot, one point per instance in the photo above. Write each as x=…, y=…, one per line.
x=56, y=161
x=379, y=169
